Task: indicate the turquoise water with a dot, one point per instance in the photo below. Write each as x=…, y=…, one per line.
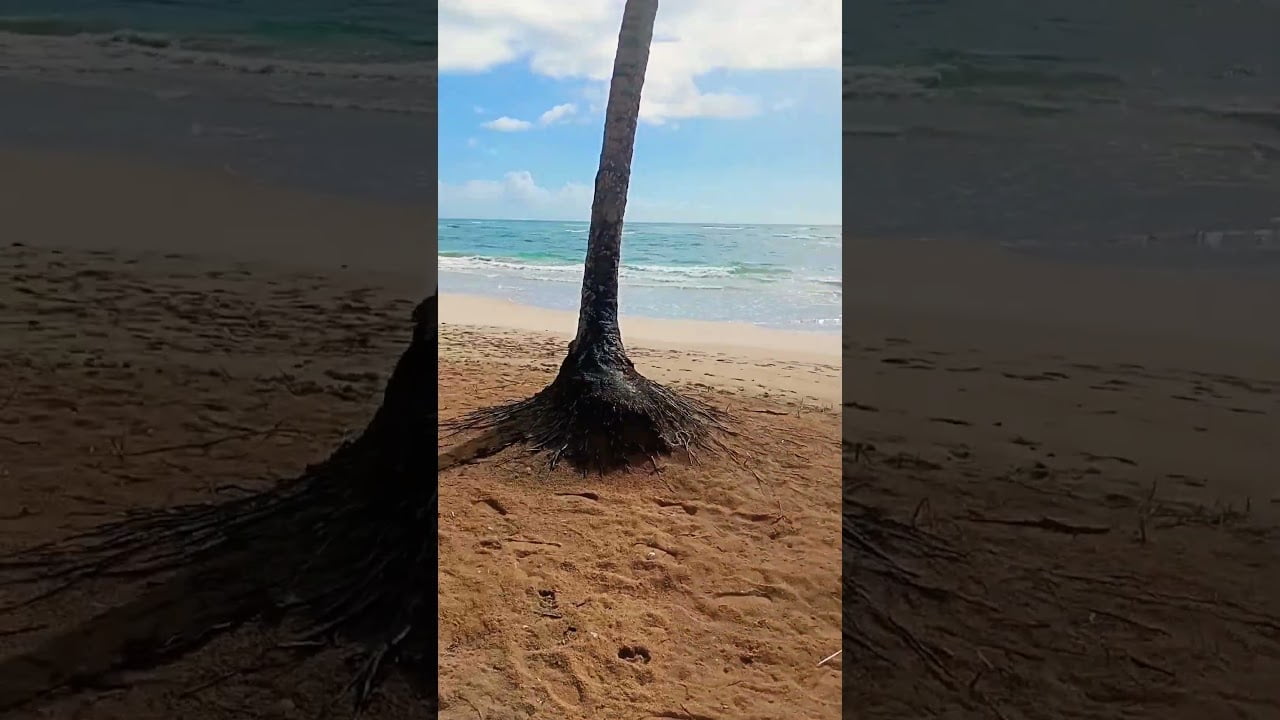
x=381, y=30
x=784, y=276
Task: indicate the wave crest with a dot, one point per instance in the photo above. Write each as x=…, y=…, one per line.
x=693, y=277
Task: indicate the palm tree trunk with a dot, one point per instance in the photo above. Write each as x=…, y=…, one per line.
x=598, y=331
x=599, y=412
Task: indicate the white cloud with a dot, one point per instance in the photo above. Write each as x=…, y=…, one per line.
x=566, y=40
x=472, y=142
x=516, y=195
x=507, y=124
x=557, y=113
x=550, y=117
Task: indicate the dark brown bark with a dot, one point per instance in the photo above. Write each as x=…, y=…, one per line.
x=598, y=313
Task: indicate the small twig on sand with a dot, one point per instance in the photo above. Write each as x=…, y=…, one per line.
x=533, y=542
x=1042, y=523
x=479, y=714
x=23, y=630
x=920, y=507
x=206, y=444
x=829, y=658
x=1146, y=664
x=222, y=678
x=1128, y=620
x=1145, y=511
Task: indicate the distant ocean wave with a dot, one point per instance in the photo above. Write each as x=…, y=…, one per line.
x=329, y=64
x=331, y=28
x=784, y=276
x=692, y=277
x=954, y=72
x=81, y=45
x=327, y=54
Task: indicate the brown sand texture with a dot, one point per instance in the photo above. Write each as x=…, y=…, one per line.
x=703, y=590
x=1078, y=469
x=163, y=340
x=1080, y=463
x=135, y=379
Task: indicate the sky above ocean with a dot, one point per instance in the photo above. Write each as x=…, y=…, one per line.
x=740, y=121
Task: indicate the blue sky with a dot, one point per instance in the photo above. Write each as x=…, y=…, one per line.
x=727, y=133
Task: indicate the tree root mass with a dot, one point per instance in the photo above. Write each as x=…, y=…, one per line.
x=344, y=552
x=599, y=414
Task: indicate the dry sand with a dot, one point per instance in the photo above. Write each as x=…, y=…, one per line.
x=107, y=202
x=796, y=366
x=710, y=590
x=141, y=380
x=1080, y=461
x=165, y=338
x=981, y=390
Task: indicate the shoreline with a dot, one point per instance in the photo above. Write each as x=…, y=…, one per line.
x=281, y=142
x=127, y=203
x=741, y=339
x=785, y=277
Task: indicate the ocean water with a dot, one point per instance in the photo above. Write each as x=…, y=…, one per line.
x=324, y=30
x=781, y=276
x=1033, y=124
x=336, y=96
x=328, y=54
x=1061, y=124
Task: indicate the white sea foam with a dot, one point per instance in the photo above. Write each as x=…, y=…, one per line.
x=687, y=277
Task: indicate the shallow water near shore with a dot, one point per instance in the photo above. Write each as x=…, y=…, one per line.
x=782, y=276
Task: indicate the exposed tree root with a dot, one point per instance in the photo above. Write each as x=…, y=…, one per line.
x=345, y=551
x=491, y=442
x=878, y=547
x=598, y=414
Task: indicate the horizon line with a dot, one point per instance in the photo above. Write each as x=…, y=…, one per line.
x=650, y=222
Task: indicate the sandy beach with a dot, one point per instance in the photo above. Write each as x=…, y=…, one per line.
x=1075, y=465
x=1080, y=452
x=1093, y=465
x=711, y=588
x=172, y=360
x=171, y=335
x=784, y=365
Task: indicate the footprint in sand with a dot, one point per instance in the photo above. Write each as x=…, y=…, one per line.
x=635, y=653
